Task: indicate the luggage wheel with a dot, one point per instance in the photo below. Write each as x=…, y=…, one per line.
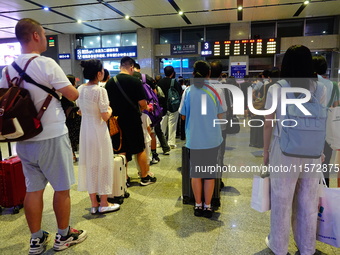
x=16, y=209
x=116, y=200
x=216, y=202
x=186, y=200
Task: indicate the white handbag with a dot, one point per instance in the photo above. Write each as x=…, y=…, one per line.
x=333, y=127
x=260, y=198
x=328, y=229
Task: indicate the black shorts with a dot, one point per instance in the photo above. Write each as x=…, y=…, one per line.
x=203, y=163
x=132, y=139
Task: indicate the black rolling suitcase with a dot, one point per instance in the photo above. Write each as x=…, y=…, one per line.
x=187, y=193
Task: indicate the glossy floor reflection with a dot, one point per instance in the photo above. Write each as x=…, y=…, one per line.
x=153, y=220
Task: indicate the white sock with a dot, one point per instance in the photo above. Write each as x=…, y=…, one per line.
x=207, y=206
x=198, y=205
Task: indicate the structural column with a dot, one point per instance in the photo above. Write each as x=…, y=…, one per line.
x=239, y=31
x=145, y=50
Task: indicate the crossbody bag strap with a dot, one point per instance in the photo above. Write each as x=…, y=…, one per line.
x=124, y=94
x=143, y=78
x=20, y=71
x=277, y=126
x=24, y=76
x=172, y=83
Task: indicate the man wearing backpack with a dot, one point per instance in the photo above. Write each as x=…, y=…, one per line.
x=172, y=91
x=149, y=80
x=46, y=157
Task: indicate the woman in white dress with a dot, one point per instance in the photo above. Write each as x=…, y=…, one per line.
x=95, y=171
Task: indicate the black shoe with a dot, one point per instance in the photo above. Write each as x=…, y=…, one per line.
x=166, y=152
x=198, y=211
x=154, y=161
x=207, y=212
x=155, y=156
x=147, y=180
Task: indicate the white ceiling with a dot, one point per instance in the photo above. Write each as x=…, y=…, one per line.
x=98, y=17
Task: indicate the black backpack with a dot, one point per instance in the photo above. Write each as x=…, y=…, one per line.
x=174, y=99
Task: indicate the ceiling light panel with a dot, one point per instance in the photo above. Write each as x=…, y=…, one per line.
x=71, y=28
x=43, y=17
x=322, y=9
x=268, y=13
x=215, y=17
x=115, y=26
x=143, y=7
x=162, y=21
x=195, y=5
x=88, y=12
x=63, y=2
x=7, y=6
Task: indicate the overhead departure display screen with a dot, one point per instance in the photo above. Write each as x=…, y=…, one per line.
x=112, y=52
x=240, y=47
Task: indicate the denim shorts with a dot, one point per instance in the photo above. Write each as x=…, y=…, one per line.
x=47, y=161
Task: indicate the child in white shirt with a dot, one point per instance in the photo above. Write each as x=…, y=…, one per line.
x=146, y=122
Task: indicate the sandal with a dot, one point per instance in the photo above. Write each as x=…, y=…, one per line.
x=198, y=211
x=207, y=212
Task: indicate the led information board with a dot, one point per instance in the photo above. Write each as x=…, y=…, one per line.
x=240, y=47
x=112, y=52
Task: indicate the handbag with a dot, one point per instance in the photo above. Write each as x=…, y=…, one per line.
x=115, y=129
x=113, y=125
x=333, y=120
x=260, y=197
x=233, y=126
x=333, y=127
x=328, y=228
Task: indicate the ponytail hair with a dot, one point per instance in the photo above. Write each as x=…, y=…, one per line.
x=201, y=71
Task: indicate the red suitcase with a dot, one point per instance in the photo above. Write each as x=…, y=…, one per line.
x=12, y=184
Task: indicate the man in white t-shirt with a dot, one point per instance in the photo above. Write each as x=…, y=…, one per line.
x=46, y=157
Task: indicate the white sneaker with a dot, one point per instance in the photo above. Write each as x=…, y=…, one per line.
x=267, y=241
x=109, y=208
x=64, y=242
x=38, y=245
x=173, y=146
x=153, y=161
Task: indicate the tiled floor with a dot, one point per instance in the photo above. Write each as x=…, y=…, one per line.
x=154, y=220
